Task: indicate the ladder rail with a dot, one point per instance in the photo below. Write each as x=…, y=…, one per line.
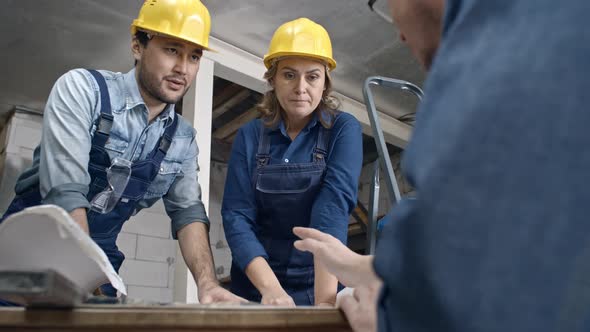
x=373, y=210
x=384, y=161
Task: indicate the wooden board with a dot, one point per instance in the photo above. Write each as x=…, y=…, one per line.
x=174, y=318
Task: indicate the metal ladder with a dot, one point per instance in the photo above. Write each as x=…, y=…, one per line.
x=383, y=160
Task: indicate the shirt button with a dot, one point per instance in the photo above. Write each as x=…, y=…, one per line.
x=161, y=169
x=286, y=160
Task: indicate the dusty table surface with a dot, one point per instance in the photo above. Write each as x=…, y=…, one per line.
x=174, y=317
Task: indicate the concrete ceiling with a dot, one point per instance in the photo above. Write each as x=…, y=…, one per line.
x=42, y=39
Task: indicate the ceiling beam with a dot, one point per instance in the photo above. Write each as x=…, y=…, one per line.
x=232, y=126
x=226, y=93
x=237, y=65
x=231, y=103
x=360, y=214
x=355, y=229
x=395, y=132
x=231, y=137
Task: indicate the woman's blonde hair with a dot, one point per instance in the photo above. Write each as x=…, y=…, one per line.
x=272, y=112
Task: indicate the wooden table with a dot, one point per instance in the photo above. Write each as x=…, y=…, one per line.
x=94, y=318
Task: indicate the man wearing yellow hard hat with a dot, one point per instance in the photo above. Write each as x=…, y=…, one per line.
x=297, y=166
x=112, y=144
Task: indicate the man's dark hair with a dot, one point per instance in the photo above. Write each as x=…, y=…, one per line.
x=143, y=39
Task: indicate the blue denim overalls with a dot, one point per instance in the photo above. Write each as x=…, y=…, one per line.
x=104, y=228
x=284, y=197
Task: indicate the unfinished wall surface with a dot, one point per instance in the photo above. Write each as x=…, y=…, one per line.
x=365, y=187
x=150, y=252
x=221, y=252
x=24, y=134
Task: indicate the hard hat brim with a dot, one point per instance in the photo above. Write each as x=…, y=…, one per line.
x=135, y=28
x=268, y=58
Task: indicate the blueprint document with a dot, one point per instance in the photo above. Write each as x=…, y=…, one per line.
x=46, y=237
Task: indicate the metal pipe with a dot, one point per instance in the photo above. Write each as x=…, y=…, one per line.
x=373, y=210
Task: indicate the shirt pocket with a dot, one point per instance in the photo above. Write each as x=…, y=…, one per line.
x=286, y=179
x=168, y=172
x=115, y=146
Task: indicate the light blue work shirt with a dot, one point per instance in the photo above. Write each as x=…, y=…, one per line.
x=60, y=162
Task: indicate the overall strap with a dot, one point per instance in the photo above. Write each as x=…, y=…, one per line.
x=321, y=149
x=161, y=148
x=263, y=154
x=105, y=120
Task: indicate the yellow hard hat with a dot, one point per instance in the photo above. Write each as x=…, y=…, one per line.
x=301, y=37
x=188, y=20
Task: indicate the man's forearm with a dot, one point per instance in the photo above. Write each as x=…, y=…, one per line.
x=194, y=245
x=80, y=217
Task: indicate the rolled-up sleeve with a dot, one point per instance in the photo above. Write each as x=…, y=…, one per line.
x=66, y=141
x=239, y=204
x=338, y=193
x=183, y=200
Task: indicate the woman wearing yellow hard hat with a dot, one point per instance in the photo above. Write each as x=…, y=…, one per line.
x=296, y=166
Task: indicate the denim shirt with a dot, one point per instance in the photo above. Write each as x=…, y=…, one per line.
x=498, y=237
x=335, y=200
x=60, y=162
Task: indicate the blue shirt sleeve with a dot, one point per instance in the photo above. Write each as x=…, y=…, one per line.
x=338, y=194
x=239, y=203
x=66, y=140
x=183, y=200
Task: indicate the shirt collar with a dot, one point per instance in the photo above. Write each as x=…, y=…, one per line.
x=283, y=129
x=133, y=97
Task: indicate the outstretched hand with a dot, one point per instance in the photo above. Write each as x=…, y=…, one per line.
x=360, y=308
x=350, y=268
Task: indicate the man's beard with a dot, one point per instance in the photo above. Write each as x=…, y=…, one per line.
x=149, y=84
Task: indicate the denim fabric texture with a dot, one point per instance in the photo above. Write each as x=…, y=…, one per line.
x=334, y=202
x=498, y=237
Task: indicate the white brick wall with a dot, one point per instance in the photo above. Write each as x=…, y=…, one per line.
x=219, y=247
x=23, y=136
x=147, y=243
x=155, y=249
x=27, y=133
x=127, y=243
x=150, y=223
x=144, y=273
x=222, y=257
